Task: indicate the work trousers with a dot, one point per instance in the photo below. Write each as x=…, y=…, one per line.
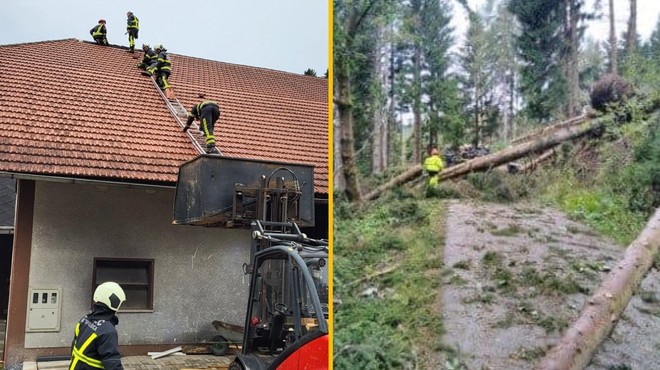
x=132, y=35
x=101, y=40
x=207, y=118
x=161, y=79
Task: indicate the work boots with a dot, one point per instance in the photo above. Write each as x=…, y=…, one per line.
x=212, y=150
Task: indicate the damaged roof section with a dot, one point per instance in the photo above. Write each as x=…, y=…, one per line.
x=75, y=109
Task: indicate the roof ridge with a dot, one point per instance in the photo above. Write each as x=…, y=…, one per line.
x=38, y=42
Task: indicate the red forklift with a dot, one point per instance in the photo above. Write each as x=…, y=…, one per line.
x=287, y=310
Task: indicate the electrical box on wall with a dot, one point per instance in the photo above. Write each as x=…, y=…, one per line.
x=44, y=309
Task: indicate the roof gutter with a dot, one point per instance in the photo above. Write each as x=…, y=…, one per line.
x=73, y=180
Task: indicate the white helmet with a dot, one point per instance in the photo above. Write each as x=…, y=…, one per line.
x=110, y=294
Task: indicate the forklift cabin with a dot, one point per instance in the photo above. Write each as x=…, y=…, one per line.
x=287, y=312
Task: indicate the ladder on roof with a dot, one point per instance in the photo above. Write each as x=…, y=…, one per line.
x=180, y=114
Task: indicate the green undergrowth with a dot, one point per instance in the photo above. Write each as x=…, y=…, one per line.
x=387, y=262
x=620, y=190
x=610, y=181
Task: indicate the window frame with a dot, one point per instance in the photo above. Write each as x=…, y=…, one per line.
x=117, y=263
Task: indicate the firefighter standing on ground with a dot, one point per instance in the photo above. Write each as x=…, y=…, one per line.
x=207, y=112
x=162, y=69
x=96, y=343
x=132, y=28
x=150, y=58
x=99, y=33
x=433, y=165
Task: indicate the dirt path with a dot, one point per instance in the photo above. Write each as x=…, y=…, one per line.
x=519, y=275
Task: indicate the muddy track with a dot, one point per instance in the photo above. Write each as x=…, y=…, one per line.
x=518, y=275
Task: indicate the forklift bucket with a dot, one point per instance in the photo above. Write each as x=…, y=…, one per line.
x=213, y=190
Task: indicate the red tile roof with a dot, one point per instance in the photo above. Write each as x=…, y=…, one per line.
x=75, y=109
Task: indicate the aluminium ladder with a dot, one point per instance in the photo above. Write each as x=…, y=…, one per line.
x=180, y=114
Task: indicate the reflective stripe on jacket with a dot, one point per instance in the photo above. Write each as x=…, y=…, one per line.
x=433, y=164
x=132, y=22
x=196, y=111
x=95, y=345
x=98, y=30
x=164, y=63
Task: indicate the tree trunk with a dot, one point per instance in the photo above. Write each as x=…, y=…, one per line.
x=604, y=308
x=544, y=131
x=614, y=50
x=339, y=181
x=495, y=159
x=631, y=39
x=379, y=119
x=477, y=111
x=347, y=150
x=417, y=106
x=572, y=62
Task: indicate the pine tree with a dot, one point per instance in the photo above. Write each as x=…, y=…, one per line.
x=540, y=46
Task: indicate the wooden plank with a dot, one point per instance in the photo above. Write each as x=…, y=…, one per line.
x=197, y=349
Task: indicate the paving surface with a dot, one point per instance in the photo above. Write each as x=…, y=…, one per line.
x=172, y=362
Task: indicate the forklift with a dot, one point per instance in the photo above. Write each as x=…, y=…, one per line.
x=286, y=322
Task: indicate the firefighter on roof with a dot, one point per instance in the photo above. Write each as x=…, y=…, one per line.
x=207, y=112
x=99, y=33
x=162, y=69
x=132, y=28
x=150, y=58
x=95, y=342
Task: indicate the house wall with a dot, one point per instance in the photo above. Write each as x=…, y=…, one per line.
x=198, y=274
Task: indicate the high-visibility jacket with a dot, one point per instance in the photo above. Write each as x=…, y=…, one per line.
x=164, y=63
x=196, y=111
x=132, y=22
x=98, y=30
x=96, y=344
x=150, y=56
x=433, y=164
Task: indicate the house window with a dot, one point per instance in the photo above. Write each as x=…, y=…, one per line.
x=136, y=277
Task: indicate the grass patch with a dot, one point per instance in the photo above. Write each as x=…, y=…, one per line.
x=464, y=265
x=529, y=354
x=511, y=230
x=394, y=331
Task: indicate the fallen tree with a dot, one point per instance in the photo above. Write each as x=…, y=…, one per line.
x=604, y=308
x=549, y=129
x=495, y=159
x=555, y=134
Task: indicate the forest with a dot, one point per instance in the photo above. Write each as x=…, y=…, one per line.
x=532, y=114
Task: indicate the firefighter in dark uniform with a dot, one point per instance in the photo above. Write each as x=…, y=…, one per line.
x=162, y=69
x=99, y=33
x=96, y=343
x=207, y=112
x=150, y=58
x=132, y=28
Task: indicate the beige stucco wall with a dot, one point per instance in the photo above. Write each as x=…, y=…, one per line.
x=198, y=271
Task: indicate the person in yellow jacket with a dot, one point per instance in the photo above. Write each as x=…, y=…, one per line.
x=433, y=165
x=132, y=29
